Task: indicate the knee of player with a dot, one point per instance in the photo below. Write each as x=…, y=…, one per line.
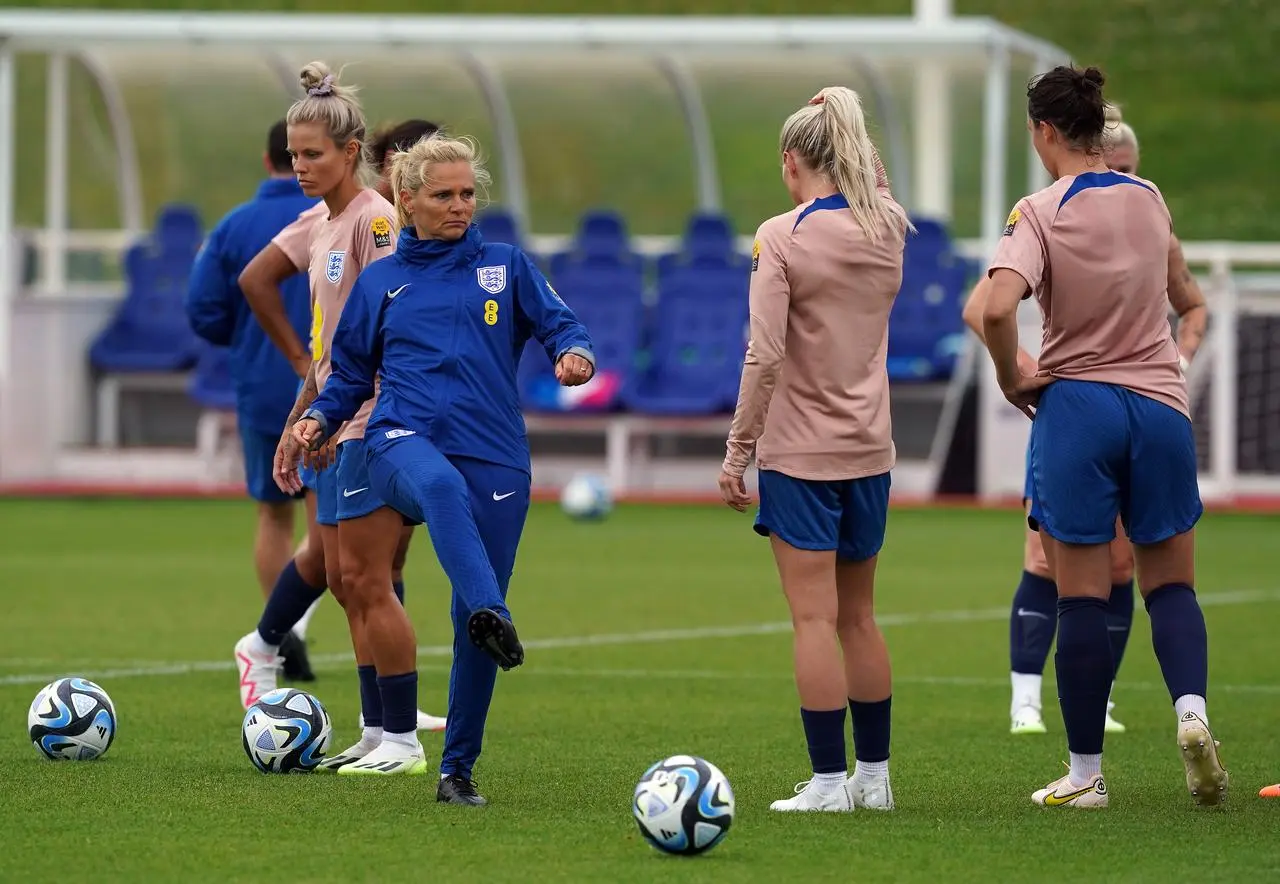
x=1121, y=572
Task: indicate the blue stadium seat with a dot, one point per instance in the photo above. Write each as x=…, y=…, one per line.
x=926, y=330
x=601, y=240
x=499, y=225
x=210, y=385
x=708, y=242
x=695, y=361
x=149, y=331
x=930, y=240
x=615, y=325
x=178, y=229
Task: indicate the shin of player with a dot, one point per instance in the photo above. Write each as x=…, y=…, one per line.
x=464, y=471
x=1111, y=434
x=813, y=408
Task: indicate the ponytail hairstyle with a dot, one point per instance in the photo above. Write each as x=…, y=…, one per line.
x=411, y=167
x=830, y=135
x=335, y=106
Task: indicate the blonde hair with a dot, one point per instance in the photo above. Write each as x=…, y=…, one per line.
x=334, y=105
x=410, y=168
x=830, y=135
x=1116, y=132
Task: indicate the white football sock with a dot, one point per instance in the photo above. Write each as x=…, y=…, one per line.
x=300, y=628
x=829, y=782
x=259, y=646
x=409, y=739
x=1190, y=703
x=1026, y=690
x=1084, y=768
x=869, y=770
x=371, y=736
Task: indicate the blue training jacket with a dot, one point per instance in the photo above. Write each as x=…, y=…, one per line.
x=265, y=383
x=443, y=325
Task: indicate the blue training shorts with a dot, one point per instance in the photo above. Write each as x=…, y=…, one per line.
x=327, y=495
x=1098, y=450
x=259, y=451
x=355, y=499
x=847, y=515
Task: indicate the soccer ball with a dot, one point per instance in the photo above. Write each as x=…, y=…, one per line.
x=683, y=805
x=286, y=731
x=72, y=719
x=586, y=497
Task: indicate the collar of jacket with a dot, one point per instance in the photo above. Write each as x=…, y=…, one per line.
x=439, y=253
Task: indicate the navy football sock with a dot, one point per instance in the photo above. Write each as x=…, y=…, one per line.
x=398, y=587
x=1119, y=621
x=1032, y=623
x=399, y=702
x=1180, y=639
x=871, y=729
x=289, y=600
x=370, y=696
x=824, y=731
x=1084, y=668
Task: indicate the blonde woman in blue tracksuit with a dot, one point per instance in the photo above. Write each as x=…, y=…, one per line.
x=441, y=325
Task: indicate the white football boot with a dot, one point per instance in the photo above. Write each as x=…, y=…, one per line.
x=1112, y=726
x=1063, y=793
x=1026, y=720
x=871, y=793
x=259, y=673
x=349, y=755
x=809, y=796
x=389, y=759
x=1206, y=777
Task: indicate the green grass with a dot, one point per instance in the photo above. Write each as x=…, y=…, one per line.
x=1197, y=79
x=92, y=587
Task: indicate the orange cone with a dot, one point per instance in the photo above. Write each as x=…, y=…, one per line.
x=1270, y=792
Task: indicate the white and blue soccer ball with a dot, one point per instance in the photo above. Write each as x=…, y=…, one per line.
x=72, y=719
x=683, y=805
x=586, y=497
x=286, y=731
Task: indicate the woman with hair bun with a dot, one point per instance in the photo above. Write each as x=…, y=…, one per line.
x=813, y=412
x=1111, y=433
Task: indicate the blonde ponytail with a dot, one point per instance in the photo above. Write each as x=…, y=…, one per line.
x=830, y=135
x=1115, y=131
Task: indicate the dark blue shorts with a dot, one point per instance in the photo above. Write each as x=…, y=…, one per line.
x=308, y=477
x=1098, y=450
x=259, y=458
x=354, y=494
x=327, y=494
x=846, y=515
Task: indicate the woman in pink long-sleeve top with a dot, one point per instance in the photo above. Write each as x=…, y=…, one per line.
x=814, y=410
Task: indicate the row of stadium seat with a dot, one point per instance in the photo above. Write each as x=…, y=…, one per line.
x=670, y=331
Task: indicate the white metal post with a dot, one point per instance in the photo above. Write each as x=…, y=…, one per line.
x=55, y=176
x=995, y=128
x=932, y=123
x=1222, y=424
x=10, y=273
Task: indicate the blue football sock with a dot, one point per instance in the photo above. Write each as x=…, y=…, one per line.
x=289, y=600
x=1032, y=623
x=1119, y=621
x=399, y=702
x=824, y=731
x=871, y=729
x=1180, y=639
x=1083, y=663
x=398, y=588
x=370, y=696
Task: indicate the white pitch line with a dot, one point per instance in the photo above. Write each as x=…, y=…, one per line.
x=979, y=615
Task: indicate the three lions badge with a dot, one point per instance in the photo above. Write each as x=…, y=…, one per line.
x=333, y=267
x=381, y=229
x=492, y=279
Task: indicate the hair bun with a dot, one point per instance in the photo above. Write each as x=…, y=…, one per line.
x=1093, y=78
x=317, y=79
x=1111, y=114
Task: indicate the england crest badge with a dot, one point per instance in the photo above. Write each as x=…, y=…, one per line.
x=333, y=268
x=492, y=279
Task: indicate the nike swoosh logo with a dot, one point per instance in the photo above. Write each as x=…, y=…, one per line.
x=399, y=290
x=1053, y=799
x=357, y=491
x=1023, y=612
x=497, y=496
